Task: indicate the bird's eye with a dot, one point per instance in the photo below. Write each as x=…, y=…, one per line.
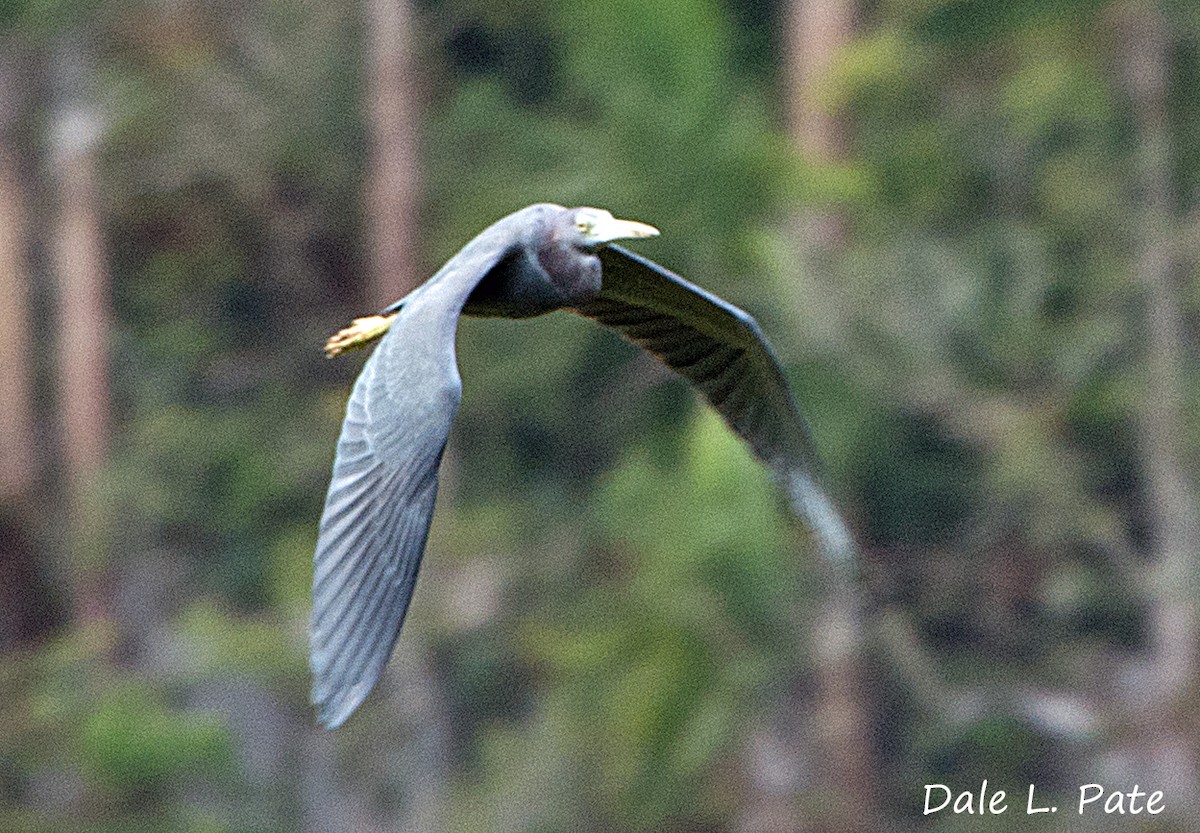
x=583, y=225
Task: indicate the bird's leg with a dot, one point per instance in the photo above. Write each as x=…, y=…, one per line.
x=360, y=333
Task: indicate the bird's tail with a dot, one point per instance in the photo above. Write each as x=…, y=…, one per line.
x=811, y=501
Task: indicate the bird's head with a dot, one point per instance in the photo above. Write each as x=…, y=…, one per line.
x=595, y=227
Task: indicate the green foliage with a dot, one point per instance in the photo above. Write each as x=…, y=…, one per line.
x=663, y=134
x=125, y=737
x=130, y=742
x=679, y=621
x=975, y=24
x=223, y=645
x=40, y=19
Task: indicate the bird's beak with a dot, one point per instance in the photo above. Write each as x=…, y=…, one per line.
x=612, y=229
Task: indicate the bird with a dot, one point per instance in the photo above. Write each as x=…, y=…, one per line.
x=542, y=258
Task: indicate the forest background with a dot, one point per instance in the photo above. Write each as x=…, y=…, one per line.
x=970, y=229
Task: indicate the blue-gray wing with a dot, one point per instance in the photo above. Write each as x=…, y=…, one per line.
x=381, y=496
x=722, y=352
x=380, y=503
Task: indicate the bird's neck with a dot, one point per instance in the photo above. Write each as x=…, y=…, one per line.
x=574, y=273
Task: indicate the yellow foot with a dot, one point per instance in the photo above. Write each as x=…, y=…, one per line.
x=360, y=333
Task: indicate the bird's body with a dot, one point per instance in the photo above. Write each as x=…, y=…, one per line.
x=544, y=272
x=542, y=258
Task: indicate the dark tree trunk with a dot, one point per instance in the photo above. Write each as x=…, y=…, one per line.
x=17, y=438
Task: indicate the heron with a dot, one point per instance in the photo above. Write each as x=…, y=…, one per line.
x=542, y=258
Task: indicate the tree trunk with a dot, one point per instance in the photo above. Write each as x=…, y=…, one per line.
x=1163, y=705
x=815, y=31
x=83, y=346
x=83, y=327
x=392, y=185
x=409, y=699
x=17, y=440
x=25, y=609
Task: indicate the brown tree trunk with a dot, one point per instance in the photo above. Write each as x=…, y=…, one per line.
x=83, y=328
x=392, y=185
x=815, y=31
x=17, y=441
x=84, y=325
x=844, y=715
x=24, y=609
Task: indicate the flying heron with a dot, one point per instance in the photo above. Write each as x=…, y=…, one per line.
x=541, y=258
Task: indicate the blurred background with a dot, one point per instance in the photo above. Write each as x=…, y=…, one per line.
x=969, y=228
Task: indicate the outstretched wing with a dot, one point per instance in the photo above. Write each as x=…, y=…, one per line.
x=384, y=483
x=722, y=352
x=377, y=515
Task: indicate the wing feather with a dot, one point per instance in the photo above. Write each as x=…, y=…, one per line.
x=384, y=484
x=721, y=350
x=376, y=520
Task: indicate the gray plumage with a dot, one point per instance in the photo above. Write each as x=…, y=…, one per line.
x=542, y=258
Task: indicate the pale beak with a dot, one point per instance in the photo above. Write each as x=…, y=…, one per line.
x=608, y=230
